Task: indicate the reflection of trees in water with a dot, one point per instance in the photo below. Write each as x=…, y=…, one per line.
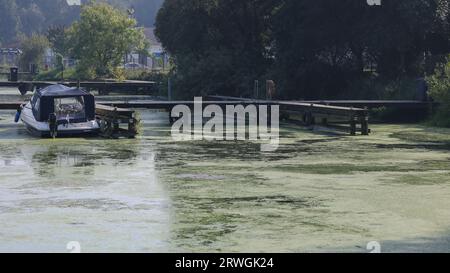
x=49, y=161
x=10, y=155
x=46, y=162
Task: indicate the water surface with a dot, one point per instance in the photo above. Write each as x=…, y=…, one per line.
x=319, y=192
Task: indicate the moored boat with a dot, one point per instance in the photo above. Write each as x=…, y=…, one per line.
x=58, y=110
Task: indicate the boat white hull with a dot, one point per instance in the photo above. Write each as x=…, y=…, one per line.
x=42, y=129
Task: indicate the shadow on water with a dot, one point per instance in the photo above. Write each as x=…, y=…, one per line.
x=176, y=153
x=206, y=223
x=346, y=168
x=85, y=157
x=68, y=161
x=439, y=243
x=412, y=146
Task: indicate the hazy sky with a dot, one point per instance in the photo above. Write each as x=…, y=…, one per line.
x=73, y=2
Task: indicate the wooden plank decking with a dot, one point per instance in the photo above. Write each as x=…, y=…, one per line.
x=102, y=86
x=310, y=112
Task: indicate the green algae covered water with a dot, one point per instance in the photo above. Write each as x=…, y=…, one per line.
x=319, y=192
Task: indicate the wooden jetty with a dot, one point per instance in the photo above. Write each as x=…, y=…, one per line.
x=310, y=114
x=116, y=122
x=103, y=87
x=355, y=119
x=370, y=104
x=349, y=119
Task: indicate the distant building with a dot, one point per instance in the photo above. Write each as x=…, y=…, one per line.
x=49, y=58
x=156, y=58
x=9, y=56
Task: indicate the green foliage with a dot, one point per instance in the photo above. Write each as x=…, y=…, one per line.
x=376, y=88
x=33, y=50
x=440, y=92
x=8, y=22
x=32, y=16
x=313, y=49
x=218, y=46
x=143, y=75
x=36, y=16
x=440, y=82
x=57, y=36
x=324, y=46
x=101, y=39
x=56, y=75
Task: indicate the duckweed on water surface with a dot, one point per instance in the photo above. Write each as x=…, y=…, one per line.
x=318, y=191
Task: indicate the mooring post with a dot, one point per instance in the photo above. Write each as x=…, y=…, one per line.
x=353, y=126
x=169, y=89
x=309, y=119
x=171, y=119
x=256, y=89
x=132, y=129
x=365, y=125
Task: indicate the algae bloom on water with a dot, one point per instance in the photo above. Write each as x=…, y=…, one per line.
x=317, y=192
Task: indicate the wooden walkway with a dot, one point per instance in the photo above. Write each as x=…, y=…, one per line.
x=370, y=104
x=355, y=119
x=311, y=114
x=116, y=122
x=104, y=87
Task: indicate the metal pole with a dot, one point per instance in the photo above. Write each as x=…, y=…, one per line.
x=169, y=89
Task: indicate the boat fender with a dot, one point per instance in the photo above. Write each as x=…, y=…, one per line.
x=53, y=125
x=18, y=113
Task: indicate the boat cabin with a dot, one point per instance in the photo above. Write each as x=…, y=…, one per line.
x=68, y=104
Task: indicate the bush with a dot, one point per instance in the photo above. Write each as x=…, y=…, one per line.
x=377, y=88
x=56, y=74
x=440, y=92
x=160, y=78
x=33, y=50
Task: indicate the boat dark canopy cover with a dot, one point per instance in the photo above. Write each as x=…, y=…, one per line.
x=61, y=91
x=43, y=102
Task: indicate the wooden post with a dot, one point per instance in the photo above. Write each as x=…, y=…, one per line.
x=270, y=89
x=365, y=126
x=171, y=119
x=309, y=119
x=132, y=130
x=352, y=126
x=256, y=89
x=169, y=89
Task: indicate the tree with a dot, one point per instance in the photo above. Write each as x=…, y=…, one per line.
x=36, y=16
x=101, y=39
x=440, y=91
x=323, y=46
x=313, y=49
x=57, y=36
x=218, y=46
x=9, y=24
x=33, y=49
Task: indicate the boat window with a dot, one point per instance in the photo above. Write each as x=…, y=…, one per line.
x=37, y=105
x=34, y=99
x=70, y=108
